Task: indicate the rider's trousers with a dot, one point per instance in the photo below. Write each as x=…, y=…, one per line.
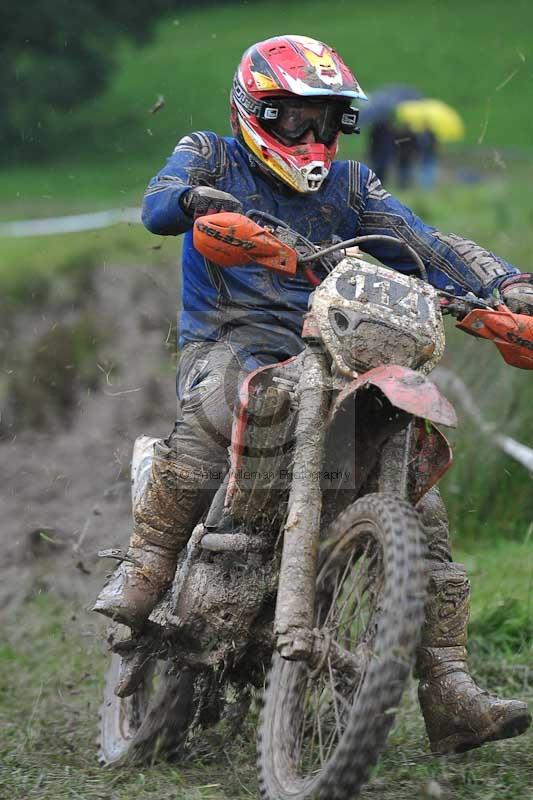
x=208, y=377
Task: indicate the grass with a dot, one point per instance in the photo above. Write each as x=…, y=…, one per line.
x=31, y=268
x=473, y=55
x=52, y=671
x=79, y=185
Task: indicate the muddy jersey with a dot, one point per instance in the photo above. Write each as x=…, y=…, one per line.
x=261, y=311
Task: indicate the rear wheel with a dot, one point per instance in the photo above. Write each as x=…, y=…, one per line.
x=322, y=729
x=153, y=721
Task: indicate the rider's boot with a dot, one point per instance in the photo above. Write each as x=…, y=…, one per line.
x=458, y=714
x=164, y=514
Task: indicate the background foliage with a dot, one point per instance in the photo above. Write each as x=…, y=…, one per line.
x=57, y=54
x=54, y=56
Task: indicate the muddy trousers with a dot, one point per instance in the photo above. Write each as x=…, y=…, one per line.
x=457, y=713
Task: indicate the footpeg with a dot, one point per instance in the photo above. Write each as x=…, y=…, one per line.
x=119, y=555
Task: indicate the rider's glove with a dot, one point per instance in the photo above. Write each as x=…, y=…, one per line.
x=517, y=293
x=204, y=200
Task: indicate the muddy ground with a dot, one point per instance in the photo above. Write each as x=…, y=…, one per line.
x=82, y=378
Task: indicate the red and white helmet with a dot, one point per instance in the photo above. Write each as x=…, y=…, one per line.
x=284, y=87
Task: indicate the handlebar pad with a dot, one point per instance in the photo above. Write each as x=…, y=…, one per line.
x=233, y=240
x=511, y=333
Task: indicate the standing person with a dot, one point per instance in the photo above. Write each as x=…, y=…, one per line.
x=381, y=148
x=427, y=158
x=290, y=101
x=406, y=145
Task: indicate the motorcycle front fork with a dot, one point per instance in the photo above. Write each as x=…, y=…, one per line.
x=293, y=623
x=394, y=463
x=294, y=619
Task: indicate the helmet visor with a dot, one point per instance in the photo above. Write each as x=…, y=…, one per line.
x=290, y=118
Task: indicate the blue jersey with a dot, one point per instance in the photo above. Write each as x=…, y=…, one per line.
x=261, y=311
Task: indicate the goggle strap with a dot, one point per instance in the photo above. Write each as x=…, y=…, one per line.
x=349, y=121
x=268, y=113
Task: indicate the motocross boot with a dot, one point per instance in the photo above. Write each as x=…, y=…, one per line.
x=458, y=714
x=168, y=500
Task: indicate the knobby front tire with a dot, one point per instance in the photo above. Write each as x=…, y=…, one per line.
x=321, y=732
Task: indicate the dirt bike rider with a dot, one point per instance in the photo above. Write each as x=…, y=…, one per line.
x=291, y=99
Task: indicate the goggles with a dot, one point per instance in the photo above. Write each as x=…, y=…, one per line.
x=291, y=118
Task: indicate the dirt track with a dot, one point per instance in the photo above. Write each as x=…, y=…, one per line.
x=65, y=487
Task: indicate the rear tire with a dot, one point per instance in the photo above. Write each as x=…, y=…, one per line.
x=152, y=722
x=321, y=731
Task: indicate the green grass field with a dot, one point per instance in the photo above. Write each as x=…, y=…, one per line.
x=476, y=56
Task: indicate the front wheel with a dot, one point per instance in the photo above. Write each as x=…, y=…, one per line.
x=322, y=729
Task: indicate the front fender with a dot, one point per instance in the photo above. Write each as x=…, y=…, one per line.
x=405, y=389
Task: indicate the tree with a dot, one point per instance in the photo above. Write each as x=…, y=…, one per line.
x=57, y=54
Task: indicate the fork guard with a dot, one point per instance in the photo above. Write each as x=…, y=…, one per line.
x=405, y=389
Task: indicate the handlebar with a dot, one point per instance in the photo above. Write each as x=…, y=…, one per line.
x=357, y=240
x=308, y=253
x=314, y=254
x=226, y=238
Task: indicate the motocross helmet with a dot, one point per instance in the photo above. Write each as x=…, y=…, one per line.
x=285, y=87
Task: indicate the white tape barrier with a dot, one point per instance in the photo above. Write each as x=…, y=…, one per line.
x=448, y=381
x=70, y=224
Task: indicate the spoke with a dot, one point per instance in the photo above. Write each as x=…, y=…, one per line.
x=335, y=708
x=363, y=612
x=345, y=602
x=330, y=742
x=305, y=715
x=346, y=703
x=332, y=602
x=355, y=581
x=319, y=729
x=347, y=707
x=338, y=585
x=348, y=621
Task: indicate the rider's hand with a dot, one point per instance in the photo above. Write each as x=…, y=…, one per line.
x=205, y=200
x=517, y=293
